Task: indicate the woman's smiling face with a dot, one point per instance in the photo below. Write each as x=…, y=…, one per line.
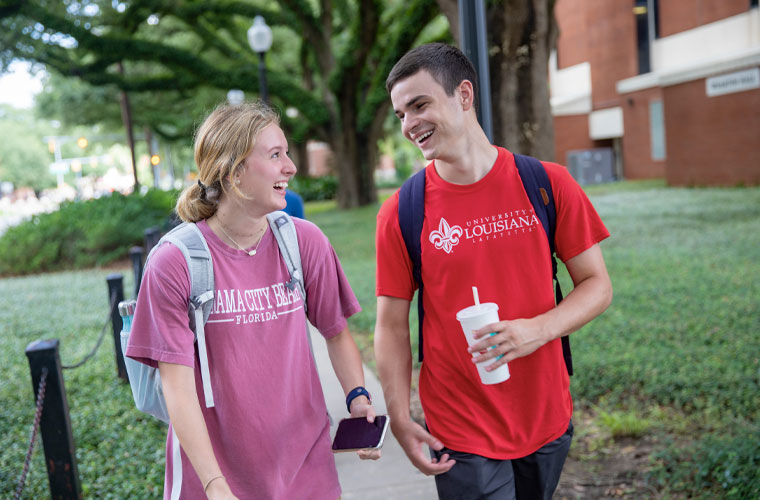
x=267, y=170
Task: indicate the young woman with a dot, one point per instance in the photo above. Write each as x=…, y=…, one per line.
x=267, y=436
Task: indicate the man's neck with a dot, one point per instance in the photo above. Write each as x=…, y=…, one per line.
x=475, y=158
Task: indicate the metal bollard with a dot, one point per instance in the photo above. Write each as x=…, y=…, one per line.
x=136, y=255
x=55, y=423
x=116, y=287
x=152, y=235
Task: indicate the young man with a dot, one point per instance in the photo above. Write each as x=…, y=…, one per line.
x=507, y=440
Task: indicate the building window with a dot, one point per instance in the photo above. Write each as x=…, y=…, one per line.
x=655, y=15
x=752, y=3
x=647, y=30
x=657, y=129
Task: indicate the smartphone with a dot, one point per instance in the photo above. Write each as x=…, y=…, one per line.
x=358, y=434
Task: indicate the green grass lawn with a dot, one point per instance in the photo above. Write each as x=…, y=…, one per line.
x=120, y=452
x=677, y=355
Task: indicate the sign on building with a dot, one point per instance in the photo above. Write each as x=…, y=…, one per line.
x=737, y=81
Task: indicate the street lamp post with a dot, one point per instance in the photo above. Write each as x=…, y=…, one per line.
x=260, y=40
x=235, y=97
x=472, y=29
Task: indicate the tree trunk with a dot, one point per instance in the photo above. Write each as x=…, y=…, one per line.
x=450, y=9
x=300, y=154
x=355, y=160
x=126, y=116
x=356, y=155
x=521, y=35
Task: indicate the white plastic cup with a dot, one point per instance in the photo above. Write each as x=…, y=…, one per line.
x=474, y=318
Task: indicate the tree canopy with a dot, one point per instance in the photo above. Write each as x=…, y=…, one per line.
x=24, y=161
x=328, y=61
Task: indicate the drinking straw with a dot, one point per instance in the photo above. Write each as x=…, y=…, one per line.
x=475, y=296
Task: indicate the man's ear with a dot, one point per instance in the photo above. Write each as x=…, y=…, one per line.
x=466, y=94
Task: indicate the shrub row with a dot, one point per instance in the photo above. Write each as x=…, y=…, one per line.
x=315, y=188
x=83, y=233
x=94, y=232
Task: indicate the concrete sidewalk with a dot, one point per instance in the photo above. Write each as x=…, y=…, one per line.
x=392, y=476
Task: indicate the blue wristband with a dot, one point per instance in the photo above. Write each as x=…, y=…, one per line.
x=356, y=392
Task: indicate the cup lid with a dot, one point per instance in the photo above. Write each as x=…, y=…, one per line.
x=127, y=307
x=472, y=311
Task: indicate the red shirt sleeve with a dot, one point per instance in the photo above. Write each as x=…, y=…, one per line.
x=394, y=267
x=579, y=226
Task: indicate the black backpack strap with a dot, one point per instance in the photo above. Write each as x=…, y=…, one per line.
x=411, y=213
x=539, y=190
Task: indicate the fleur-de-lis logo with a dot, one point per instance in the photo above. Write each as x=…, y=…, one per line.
x=446, y=237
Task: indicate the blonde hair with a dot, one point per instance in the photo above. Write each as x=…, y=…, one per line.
x=222, y=142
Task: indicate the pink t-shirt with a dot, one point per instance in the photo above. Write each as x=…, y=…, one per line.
x=269, y=427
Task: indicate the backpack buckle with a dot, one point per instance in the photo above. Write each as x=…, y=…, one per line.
x=202, y=299
x=292, y=283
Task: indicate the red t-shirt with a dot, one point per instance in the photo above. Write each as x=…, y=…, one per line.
x=487, y=235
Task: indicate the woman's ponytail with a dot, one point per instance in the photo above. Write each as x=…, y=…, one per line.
x=198, y=202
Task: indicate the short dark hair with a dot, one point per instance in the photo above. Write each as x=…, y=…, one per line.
x=446, y=64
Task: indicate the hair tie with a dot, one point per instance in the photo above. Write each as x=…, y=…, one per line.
x=203, y=189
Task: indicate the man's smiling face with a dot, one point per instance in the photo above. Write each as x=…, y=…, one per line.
x=429, y=118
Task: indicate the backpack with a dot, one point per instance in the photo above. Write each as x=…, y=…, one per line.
x=411, y=212
x=145, y=380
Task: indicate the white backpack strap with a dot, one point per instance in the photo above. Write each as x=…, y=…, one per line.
x=285, y=233
x=189, y=239
x=287, y=239
x=200, y=336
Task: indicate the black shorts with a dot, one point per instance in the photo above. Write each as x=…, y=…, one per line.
x=533, y=477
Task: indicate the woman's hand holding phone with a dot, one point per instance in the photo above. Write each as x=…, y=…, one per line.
x=362, y=435
x=361, y=407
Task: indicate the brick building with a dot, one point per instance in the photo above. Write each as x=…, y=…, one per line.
x=666, y=88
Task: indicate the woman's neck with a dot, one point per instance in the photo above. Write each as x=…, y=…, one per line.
x=236, y=227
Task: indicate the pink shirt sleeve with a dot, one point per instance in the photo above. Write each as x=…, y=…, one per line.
x=160, y=329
